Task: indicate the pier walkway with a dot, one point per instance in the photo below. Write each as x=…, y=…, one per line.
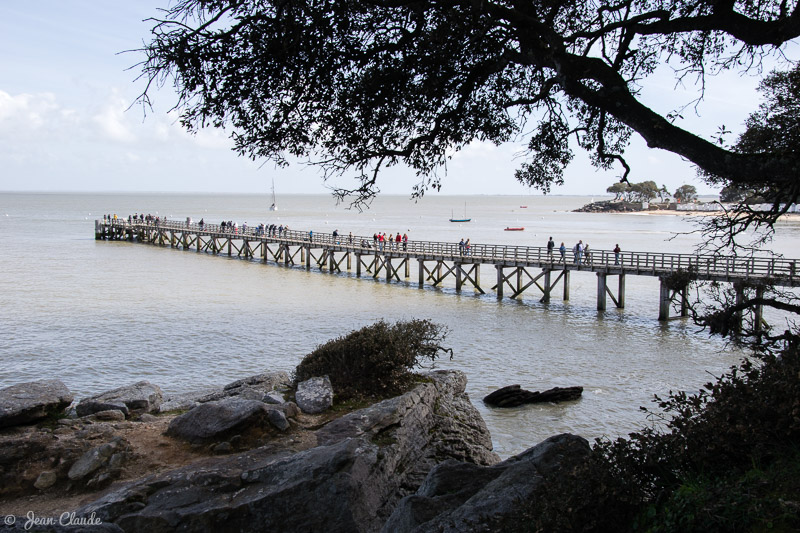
x=518, y=268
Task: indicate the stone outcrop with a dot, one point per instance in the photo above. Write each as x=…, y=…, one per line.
x=314, y=395
x=364, y=463
x=262, y=387
x=214, y=421
x=513, y=395
x=73, y=455
x=141, y=397
x=457, y=496
x=26, y=403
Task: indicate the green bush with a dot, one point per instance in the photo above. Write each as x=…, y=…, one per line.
x=724, y=459
x=375, y=361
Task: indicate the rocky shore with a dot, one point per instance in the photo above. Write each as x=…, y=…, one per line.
x=258, y=455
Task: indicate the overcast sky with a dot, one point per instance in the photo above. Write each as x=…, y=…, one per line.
x=66, y=121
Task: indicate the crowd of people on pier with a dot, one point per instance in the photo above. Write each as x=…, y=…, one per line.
x=581, y=253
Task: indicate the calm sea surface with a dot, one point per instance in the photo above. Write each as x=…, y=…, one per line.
x=98, y=315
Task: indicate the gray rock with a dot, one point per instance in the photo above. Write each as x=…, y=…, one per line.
x=459, y=496
x=148, y=418
x=88, y=407
x=255, y=387
x=26, y=403
x=141, y=397
x=358, y=472
x=112, y=415
x=93, y=460
x=278, y=419
x=45, y=480
x=223, y=447
x=274, y=397
x=314, y=395
x=217, y=420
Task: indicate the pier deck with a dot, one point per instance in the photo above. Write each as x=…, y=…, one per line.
x=515, y=266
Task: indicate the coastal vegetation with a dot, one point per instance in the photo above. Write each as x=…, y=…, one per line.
x=376, y=361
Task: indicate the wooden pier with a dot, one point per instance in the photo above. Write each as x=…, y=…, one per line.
x=518, y=268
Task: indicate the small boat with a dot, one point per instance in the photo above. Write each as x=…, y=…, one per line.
x=514, y=229
x=523, y=207
x=465, y=219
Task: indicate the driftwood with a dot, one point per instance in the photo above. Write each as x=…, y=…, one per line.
x=513, y=396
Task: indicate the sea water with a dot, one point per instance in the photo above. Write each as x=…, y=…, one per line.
x=99, y=314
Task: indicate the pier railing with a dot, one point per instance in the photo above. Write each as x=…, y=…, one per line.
x=707, y=266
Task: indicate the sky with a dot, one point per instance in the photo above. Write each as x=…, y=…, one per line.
x=69, y=122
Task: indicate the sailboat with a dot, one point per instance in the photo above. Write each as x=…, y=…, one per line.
x=274, y=206
x=465, y=219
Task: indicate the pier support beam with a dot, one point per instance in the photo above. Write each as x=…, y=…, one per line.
x=601, y=291
x=663, y=301
x=500, y=281
x=758, y=312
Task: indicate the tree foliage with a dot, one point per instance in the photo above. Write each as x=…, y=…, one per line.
x=771, y=131
x=685, y=193
x=644, y=191
x=375, y=361
x=356, y=86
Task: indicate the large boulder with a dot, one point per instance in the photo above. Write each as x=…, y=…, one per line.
x=141, y=397
x=261, y=387
x=26, y=403
x=458, y=496
x=514, y=395
x=314, y=395
x=363, y=464
x=213, y=421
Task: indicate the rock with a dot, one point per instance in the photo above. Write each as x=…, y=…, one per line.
x=26, y=403
x=274, y=397
x=278, y=419
x=217, y=420
x=459, y=497
x=46, y=480
x=256, y=387
x=91, y=461
x=222, y=448
x=141, y=397
x=361, y=467
x=88, y=407
x=148, y=418
x=314, y=395
x=109, y=416
x=513, y=395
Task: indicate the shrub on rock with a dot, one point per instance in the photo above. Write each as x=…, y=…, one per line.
x=374, y=361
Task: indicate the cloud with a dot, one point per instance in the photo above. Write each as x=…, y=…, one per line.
x=113, y=122
x=25, y=117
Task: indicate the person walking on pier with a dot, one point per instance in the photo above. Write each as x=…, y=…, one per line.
x=587, y=256
x=550, y=246
x=578, y=251
x=617, y=251
x=397, y=241
x=461, y=247
x=467, y=246
x=405, y=241
x=310, y=235
x=391, y=241
x=563, y=251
